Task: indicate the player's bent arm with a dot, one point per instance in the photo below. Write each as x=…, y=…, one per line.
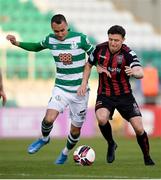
x=1, y=81
x=86, y=73
x=138, y=72
x=25, y=45
x=2, y=93
x=83, y=87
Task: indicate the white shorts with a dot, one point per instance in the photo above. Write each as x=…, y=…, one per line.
x=77, y=105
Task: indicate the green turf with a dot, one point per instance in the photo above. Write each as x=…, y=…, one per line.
x=16, y=163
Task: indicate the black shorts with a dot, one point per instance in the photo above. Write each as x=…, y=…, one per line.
x=126, y=105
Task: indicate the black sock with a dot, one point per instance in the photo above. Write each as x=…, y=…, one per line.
x=72, y=140
x=106, y=131
x=143, y=143
x=46, y=128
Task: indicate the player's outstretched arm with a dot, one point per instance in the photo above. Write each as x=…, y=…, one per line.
x=25, y=45
x=12, y=39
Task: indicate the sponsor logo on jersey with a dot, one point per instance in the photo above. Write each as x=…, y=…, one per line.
x=118, y=70
x=66, y=58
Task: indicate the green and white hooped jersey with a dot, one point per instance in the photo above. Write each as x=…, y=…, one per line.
x=70, y=58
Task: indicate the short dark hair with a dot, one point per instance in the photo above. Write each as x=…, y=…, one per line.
x=58, y=19
x=116, y=29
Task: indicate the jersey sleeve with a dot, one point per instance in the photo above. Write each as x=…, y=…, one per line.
x=45, y=42
x=133, y=59
x=92, y=59
x=130, y=55
x=31, y=46
x=87, y=46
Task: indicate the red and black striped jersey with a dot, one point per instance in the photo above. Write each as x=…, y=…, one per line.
x=119, y=83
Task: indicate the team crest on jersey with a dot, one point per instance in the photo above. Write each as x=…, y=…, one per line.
x=119, y=59
x=74, y=45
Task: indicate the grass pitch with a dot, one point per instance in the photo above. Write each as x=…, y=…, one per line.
x=16, y=163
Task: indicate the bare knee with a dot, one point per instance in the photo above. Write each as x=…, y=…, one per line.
x=139, y=131
x=75, y=131
x=51, y=116
x=102, y=116
x=137, y=125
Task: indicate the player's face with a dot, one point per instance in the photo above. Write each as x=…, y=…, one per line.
x=60, y=30
x=115, y=42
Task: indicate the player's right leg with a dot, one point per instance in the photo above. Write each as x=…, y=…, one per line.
x=46, y=127
x=107, y=134
x=103, y=114
x=37, y=145
x=104, y=110
x=56, y=105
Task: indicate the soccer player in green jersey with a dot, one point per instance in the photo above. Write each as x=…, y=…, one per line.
x=69, y=52
x=2, y=93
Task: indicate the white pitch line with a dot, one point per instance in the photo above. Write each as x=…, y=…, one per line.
x=76, y=176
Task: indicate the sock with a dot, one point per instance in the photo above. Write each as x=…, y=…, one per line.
x=45, y=138
x=143, y=143
x=71, y=142
x=65, y=151
x=106, y=131
x=46, y=128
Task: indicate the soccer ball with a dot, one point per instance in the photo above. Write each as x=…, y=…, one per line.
x=84, y=155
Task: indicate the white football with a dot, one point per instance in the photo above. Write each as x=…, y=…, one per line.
x=84, y=155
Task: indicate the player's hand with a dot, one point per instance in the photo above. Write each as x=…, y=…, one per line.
x=101, y=69
x=82, y=90
x=12, y=39
x=3, y=96
x=128, y=70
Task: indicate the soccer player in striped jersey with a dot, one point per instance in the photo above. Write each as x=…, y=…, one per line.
x=116, y=63
x=69, y=51
x=2, y=93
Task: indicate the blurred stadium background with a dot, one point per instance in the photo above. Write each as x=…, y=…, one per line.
x=29, y=77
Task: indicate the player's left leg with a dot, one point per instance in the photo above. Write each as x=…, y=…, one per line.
x=142, y=139
x=78, y=108
x=130, y=111
x=72, y=139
